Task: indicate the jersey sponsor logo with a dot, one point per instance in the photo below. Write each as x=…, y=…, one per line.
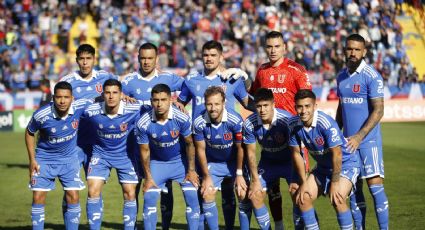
x=94, y=160
x=57, y=140
x=93, y=113
x=99, y=88
x=356, y=88
x=281, y=78
x=227, y=136
x=319, y=141
x=112, y=135
x=278, y=90
x=174, y=133
x=74, y=124
x=123, y=127
x=225, y=146
x=352, y=100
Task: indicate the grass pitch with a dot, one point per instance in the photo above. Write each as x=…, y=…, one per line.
x=404, y=154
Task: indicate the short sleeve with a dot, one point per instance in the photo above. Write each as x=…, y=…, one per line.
x=375, y=86
x=141, y=134
x=240, y=90
x=186, y=128
x=198, y=131
x=33, y=125
x=248, y=133
x=237, y=131
x=332, y=135
x=303, y=81
x=176, y=83
x=185, y=94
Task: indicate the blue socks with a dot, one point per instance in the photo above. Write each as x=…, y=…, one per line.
x=94, y=212
x=310, y=219
x=72, y=216
x=245, y=210
x=129, y=214
x=211, y=214
x=37, y=216
x=381, y=205
x=263, y=218
x=149, y=208
x=344, y=220
x=192, y=205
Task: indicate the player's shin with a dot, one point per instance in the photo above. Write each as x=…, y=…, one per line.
x=37, y=216
x=130, y=214
x=381, y=204
x=263, y=218
x=358, y=206
x=211, y=214
x=245, y=210
x=149, y=208
x=228, y=203
x=192, y=205
x=94, y=212
x=309, y=219
x=344, y=220
x=72, y=216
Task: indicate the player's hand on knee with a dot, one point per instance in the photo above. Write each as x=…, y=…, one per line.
x=254, y=188
x=34, y=168
x=241, y=187
x=293, y=187
x=234, y=73
x=193, y=178
x=148, y=184
x=336, y=197
x=207, y=185
x=303, y=194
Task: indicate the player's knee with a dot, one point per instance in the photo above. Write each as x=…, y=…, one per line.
x=39, y=197
x=209, y=197
x=257, y=199
x=375, y=180
x=150, y=198
x=130, y=195
x=72, y=196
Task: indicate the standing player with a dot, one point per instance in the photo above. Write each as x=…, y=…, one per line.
x=361, y=107
x=113, y=122
x=336, y=171
x=193, y=89
x=164, y=135
x=268, y=126
x=56, y=154
x=218, y=143
x=284, y=77
x=139, y=85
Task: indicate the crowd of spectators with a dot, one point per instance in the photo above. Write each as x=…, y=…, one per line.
x=35, y=35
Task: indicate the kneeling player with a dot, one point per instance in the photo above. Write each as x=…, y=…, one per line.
x=160, y=134
x=336, y=170
x=218, y=137
x=56, y=154
x=113, y=121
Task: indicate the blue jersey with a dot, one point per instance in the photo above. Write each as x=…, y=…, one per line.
x=323, y=134
x=113, y=132
x=355, y=91
x=165, y=140
x=219, y=138
x=195, y=85
x=88, y=89
x=274, y=140
x=138, y=87
x=57, y=143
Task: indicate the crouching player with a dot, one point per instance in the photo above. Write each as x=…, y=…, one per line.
x=336, y=171
x=113, y=121
x=56, y=154
x=164, y=135
x=218, y=142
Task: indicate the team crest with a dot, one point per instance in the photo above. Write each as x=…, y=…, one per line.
x=174, y=133
x=227, y=136
x=123, y=127
x=356, y=88
x=279, y=138
x=281, y=78
x=99, y=88
x=319, y=141
x=75, y=124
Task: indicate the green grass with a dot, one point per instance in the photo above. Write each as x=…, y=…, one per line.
x=404, y=145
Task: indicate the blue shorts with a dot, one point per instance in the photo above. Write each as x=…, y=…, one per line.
x=323, y=177
x=371, y=162
x=271, y=172
x=100, y=168
x=84, y=155
x=68, y=174
x=220, y=170
x=163, y=171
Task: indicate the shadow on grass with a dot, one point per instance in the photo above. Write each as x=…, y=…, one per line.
x=23, y=166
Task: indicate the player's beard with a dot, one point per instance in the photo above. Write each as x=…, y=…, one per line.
x=353, y=64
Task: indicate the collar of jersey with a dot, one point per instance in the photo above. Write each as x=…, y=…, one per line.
x=56, y=115
x=78, y=77
x=223, y=119
x=314, y=122
x=139, y=76
x=211, y=77
x=170, y=114
x=359, y=68
x=120, y=108
x=274, y=119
